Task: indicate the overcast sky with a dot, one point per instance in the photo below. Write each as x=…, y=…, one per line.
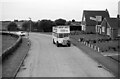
x=53, y=9
x=119, y=8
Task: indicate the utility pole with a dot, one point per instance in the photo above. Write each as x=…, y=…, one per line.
x=30, y=24
x=29, y=30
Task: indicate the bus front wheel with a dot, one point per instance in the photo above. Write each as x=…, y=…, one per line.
x=69, y=45
x=53, y=41
x=58, y=44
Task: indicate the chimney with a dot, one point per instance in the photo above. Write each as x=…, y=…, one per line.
x=106, y=10
x=118, y=20
x=118, y=16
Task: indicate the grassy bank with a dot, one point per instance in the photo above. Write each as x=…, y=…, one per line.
x=7, y=41
x=12, y=64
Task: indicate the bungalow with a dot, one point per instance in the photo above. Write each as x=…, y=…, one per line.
x=110, y=27
x=91, y=20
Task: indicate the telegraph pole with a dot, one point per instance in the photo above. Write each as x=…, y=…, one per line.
x=29, y=31
x=30, y=24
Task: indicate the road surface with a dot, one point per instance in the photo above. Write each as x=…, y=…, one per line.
x=47, y=60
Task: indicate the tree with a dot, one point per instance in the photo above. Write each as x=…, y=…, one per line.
x=60, y=21
x=25, y=26
x=35, y=26
x=15, y=20
x=73, y=20
x=28, y=26
x=68, y=22
x=39, y=27
x=45, y=25
x=12, y=26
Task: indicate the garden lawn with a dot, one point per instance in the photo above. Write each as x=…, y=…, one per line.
x=90, y=36
x=105, y=46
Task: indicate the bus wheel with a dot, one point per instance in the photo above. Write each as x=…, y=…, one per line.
x=58, y=44
x=69, y=45
x=53, y=41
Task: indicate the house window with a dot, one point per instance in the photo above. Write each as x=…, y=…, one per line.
x=103, y=29
x=108, y=31
x=99, y=18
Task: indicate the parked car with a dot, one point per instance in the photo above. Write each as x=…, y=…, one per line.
x=21, y=33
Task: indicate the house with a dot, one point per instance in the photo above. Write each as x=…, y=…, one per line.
x=110, y=27
x=75, y=26
x=91, y=20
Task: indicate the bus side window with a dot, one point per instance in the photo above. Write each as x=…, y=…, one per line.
x=66, y=35
x=56, y=35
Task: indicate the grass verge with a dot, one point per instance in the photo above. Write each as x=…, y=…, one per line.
x=11, y=64
x=7, y=41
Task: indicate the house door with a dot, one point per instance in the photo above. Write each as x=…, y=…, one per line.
x=108, y=31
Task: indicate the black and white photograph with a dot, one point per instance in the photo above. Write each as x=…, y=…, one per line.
x=61, y=39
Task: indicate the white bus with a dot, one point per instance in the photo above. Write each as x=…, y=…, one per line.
x=60, y=35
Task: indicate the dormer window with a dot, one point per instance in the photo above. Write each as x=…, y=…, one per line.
x=99, y=18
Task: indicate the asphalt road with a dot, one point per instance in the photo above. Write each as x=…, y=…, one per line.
x=47, y=60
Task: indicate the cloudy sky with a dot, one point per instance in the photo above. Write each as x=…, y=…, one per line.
x=53, y=9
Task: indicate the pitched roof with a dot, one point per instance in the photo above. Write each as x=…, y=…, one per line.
x=113, y=22
x=93, y=13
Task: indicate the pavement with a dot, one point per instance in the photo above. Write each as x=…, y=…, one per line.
x=45, y=59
